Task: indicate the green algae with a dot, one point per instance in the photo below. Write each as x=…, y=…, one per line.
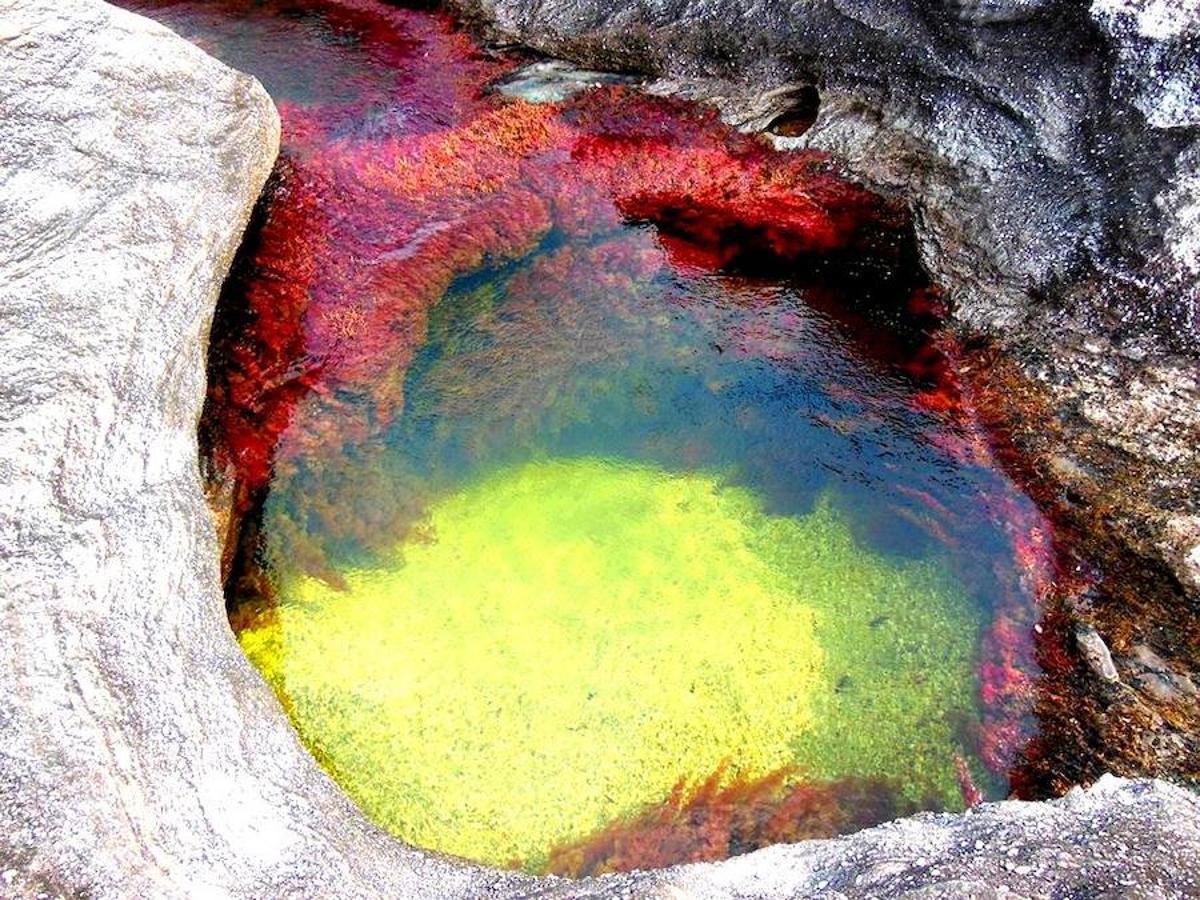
x=567, y=639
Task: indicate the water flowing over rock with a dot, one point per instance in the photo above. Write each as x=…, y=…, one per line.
x=140, y=755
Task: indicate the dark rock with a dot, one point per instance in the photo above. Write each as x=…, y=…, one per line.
x=1050, y=152
x=1026, y=134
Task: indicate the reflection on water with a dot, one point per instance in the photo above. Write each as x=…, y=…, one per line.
x=617, y=509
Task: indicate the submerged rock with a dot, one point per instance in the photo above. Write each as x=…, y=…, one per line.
x=607, y=635
x=553, y=81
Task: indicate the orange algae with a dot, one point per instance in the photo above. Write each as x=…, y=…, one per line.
x=722, y=816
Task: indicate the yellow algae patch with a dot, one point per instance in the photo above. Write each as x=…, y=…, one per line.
x=566, y=641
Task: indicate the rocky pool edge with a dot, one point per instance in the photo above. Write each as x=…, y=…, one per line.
x=140, y=754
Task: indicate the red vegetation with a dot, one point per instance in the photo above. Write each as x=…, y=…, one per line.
x=971, y=794
x=716, y=819
x=266, y=369
x=370, y=225
x=1040, y=578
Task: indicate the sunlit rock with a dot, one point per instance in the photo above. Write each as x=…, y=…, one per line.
x=139, y=754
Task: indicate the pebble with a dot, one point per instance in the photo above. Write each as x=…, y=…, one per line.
x=1096, y=653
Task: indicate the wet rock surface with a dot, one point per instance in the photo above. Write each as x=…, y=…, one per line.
x=139, y=753
x=1033, y=131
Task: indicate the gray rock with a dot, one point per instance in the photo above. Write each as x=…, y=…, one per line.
x=1157, y=44
x=553, y=81
x=1021, y=148
x=1089, y=844
x=1182, y=547
x=140, y=755
x=1096, y=653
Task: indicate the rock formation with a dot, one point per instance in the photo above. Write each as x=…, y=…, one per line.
x=1089, y=844
x=140, y=755
x=1036, y=139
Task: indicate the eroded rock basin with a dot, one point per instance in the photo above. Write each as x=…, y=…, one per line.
x=603, y=499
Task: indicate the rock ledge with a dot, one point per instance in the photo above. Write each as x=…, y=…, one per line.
x=140, y=755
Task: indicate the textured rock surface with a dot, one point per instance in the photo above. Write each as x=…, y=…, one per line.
x=1120, y=839
x=139, y=753
x=1050, y=151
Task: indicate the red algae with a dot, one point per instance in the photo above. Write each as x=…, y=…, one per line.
x=1007, y=667
x=722, y=817
x=392, y=187
x=368, y=229
x=972, y=795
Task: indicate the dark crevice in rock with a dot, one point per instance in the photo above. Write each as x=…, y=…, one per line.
x=801, y=106
x=233, y=502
